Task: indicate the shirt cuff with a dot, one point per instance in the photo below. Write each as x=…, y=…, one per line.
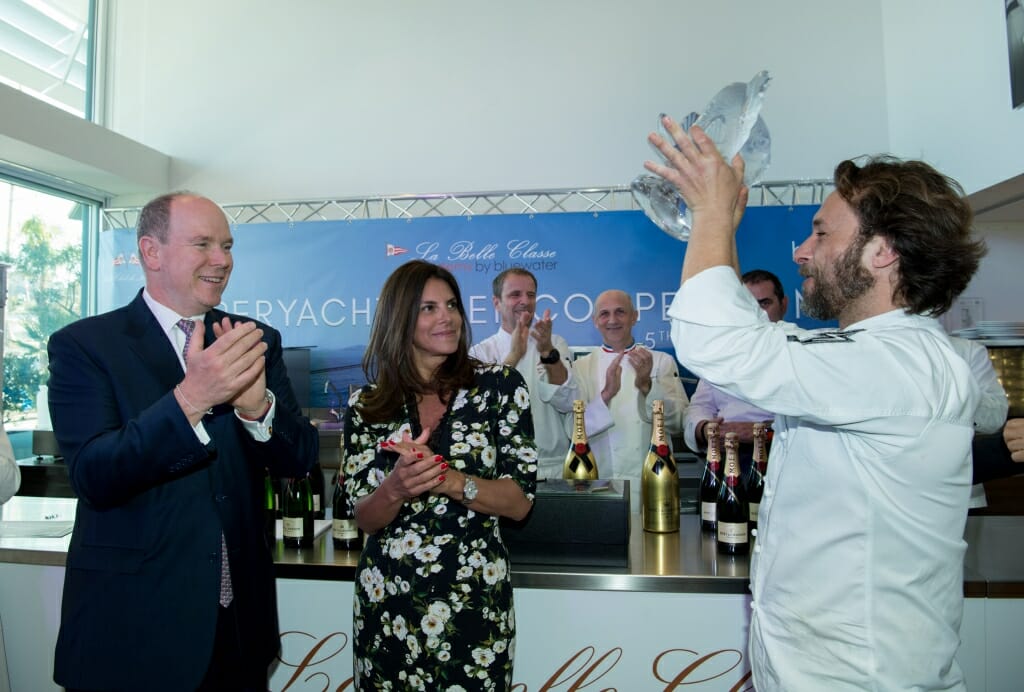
x=262, y=429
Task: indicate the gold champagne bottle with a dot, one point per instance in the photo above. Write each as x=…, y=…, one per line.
x=659, y=480
x=580, y=464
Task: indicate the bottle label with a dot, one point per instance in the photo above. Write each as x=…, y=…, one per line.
x=292, y=527
x=754, y=506
x=708, y=511
x=729, y=532
x=345, y=529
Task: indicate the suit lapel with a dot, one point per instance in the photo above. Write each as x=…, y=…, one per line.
x=147, y=340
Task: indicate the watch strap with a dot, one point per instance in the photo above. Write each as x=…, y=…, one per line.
x=551, y=358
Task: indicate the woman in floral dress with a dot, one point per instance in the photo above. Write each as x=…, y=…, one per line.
x=437, y=448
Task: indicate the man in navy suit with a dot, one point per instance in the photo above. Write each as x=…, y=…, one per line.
x=167, y=432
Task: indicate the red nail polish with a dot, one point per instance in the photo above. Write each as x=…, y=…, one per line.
x=444, y=465
x=419, y=455
x=440, y=479
x=438, y=457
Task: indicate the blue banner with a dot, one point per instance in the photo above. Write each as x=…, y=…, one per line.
x=317, y=282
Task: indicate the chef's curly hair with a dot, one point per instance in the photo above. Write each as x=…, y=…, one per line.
x=926, y=219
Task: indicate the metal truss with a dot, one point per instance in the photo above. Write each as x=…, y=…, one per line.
x=592, y=200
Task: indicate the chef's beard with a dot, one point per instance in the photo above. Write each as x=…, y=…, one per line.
x=849, y=280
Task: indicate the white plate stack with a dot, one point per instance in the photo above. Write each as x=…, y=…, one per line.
x=995, y=333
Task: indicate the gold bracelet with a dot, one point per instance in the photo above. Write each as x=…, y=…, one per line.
x=184, y=398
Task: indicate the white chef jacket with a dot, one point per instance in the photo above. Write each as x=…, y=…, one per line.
x=620, y=434
x=709, y=403
x=857, y=571
x=545, y=398
x=993, y=406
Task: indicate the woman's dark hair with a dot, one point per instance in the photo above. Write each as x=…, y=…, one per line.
x=924, y=216
x=388, y=360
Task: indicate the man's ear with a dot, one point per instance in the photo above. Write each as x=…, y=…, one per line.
x=149, y=252
x=882, y=253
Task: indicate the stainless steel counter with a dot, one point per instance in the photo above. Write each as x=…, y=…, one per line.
x=685, y=562
x=680, y=562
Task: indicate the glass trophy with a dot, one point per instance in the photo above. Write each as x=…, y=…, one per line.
x=733, y=122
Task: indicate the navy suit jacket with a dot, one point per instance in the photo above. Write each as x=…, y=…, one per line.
x=142, y=582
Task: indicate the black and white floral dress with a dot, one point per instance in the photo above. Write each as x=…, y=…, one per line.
x=433, y=592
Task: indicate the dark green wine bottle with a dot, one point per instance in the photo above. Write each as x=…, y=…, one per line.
x=711, y=479
x=732, y=515
x=269, y=509
x=297, y=513
x=344, y=530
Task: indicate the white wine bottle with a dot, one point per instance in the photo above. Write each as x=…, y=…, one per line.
x=711, y=479
x=659, y=480
x=732, y=524
x=580, y=464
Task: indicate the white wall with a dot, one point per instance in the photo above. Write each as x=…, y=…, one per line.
x=259, y=99
x=948, y=89
x=998, y=281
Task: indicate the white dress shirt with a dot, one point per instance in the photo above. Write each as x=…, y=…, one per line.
x=857, y=571
x=546, y=399
x=620, y=432
x=709, y=403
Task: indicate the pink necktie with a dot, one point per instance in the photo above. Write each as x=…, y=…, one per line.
x=226, y=593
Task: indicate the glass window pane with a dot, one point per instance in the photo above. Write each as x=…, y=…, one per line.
x=44, y=50
x=41, y=241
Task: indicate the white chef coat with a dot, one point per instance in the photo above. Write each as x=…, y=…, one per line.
x=620, y=433
x=545, y=398
x=857, y=571
x=993, y=406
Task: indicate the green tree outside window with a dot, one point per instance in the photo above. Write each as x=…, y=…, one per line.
x=44, y=288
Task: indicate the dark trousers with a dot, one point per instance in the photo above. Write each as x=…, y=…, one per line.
x=228, y=671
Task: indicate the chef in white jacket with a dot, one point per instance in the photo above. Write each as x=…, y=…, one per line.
x=857, y=571
x=993, y=404
x=619, y=383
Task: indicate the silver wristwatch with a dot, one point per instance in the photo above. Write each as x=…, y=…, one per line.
x=469, y=490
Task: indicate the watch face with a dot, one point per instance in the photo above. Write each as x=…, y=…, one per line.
x=469, y=491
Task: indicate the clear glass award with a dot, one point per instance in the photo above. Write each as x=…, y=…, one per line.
x=733, y=122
